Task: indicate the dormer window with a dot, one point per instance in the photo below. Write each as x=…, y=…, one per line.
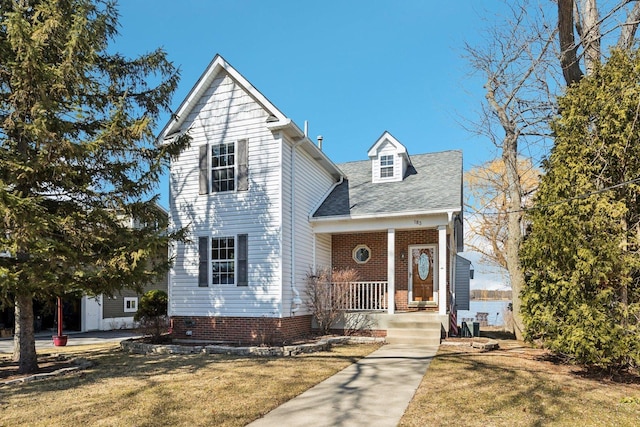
x=389, y=159
x=386, y=166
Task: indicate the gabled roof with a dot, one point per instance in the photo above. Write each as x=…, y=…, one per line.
x=217, y=65
x=277, y=121
x=386, y=137
x=432, y=184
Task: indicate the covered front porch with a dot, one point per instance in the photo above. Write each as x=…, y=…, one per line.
x=399, y=269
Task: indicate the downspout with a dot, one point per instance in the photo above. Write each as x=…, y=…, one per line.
x=296, y=301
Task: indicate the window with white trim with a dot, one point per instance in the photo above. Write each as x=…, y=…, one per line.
x=361, y=254
x=223, y=167
x=386, y=166
x=223, y=261
x=130, y=304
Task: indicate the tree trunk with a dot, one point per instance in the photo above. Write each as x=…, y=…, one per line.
x=514, y=222
x=591, y=37
x=629, y=28
x=24, y=343
x=568, y=48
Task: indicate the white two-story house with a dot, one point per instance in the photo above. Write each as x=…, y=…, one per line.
x=265, y=207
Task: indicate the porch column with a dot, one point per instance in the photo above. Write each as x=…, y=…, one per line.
x=391, y=270
x=442, y=269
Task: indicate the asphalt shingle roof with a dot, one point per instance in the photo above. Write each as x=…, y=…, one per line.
x=434, y=182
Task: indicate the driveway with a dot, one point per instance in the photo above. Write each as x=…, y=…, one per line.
x=75, y=338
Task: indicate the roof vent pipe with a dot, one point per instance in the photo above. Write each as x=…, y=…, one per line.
x=320, y=142
x=306, y=128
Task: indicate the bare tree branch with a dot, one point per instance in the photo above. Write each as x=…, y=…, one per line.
x=629, y=28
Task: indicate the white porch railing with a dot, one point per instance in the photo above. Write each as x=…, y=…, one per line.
x=360, y=296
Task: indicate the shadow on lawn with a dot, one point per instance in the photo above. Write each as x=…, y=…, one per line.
x=504, y=384
x=113, y=363
x=623, y=376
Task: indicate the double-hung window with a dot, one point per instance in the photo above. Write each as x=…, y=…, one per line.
x=386, y=166
x=223, y=261
x=223, y=165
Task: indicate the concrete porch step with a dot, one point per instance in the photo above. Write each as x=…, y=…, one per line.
x=414, y=330
x=413, y=339
x=414, y=324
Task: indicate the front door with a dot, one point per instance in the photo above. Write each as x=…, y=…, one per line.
x=423, y=260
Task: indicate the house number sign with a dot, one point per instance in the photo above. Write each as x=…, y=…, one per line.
x=423, y=266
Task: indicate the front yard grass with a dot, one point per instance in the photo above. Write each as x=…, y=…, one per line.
x=124, y=389
x=512, y=386
x=517, y=386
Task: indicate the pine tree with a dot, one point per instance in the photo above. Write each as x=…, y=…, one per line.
x=582, y=293
x=77, y=157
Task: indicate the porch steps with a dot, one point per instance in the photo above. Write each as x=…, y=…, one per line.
x=414, y=329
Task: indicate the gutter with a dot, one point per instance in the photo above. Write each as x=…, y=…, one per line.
x=296, y=301
x=449, y=213
x=317, y=206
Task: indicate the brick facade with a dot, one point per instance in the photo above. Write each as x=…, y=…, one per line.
x=241, y=330
x=262, y=330
x=375, y=269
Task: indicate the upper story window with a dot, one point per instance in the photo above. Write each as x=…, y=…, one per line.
x=223, y=162
x=386, y=166
x=223, y=167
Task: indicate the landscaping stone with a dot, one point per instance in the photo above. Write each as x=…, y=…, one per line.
x=323, y=344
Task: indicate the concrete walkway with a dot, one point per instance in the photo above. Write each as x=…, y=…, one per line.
x=372, y=392
x=44, y=340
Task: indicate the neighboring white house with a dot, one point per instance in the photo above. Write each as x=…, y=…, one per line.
x=265, y=206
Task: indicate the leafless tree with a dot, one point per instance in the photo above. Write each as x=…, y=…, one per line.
x=523, y=71
x=486, y=190
x=518, y=64
x=585, y=26
x=327, y=295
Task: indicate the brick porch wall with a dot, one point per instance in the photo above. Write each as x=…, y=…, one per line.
x=342, y=246
x=244, y=330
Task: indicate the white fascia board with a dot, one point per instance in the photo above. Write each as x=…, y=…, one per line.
x=362, y=223
x=218, y=64
x=373, y=151
x=448, y=212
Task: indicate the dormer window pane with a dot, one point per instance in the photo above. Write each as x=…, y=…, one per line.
x=386, y=166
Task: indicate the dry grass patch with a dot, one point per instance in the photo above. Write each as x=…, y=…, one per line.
x=517, y=386
x=161, y=390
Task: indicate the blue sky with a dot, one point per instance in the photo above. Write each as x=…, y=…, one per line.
x=352, y=69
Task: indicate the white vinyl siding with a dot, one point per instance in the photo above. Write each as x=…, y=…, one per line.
x=323, y=251
x=387, y=165
x=226, y=113
x=311, y=184
x=388, y=162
